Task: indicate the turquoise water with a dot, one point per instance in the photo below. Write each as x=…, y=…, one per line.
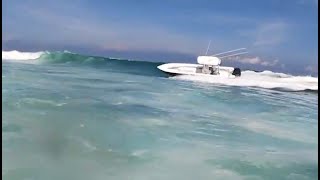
x=66, y=116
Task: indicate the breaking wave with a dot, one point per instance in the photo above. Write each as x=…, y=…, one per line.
x=16, y=55
x=69, y=58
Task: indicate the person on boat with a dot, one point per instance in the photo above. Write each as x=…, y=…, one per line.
x=211, y=70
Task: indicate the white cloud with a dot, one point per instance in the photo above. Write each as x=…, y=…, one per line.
x=253, y=60
x=270, y=63
x=256, y=60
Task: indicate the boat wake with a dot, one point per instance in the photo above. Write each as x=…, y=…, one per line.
x=265, y=79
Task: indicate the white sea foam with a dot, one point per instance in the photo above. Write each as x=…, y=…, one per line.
x=16, y=55
x=265, y=79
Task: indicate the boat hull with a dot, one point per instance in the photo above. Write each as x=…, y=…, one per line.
x=174, y=69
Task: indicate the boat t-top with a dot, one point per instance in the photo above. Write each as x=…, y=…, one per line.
x=207, y=65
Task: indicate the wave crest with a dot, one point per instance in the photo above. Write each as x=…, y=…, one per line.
x=17, y=55
x=66, y=57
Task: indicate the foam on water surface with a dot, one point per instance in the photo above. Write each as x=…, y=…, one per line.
x=265, y=79
x=16, y=55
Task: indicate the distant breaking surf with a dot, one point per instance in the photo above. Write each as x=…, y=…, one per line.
x=16, y=55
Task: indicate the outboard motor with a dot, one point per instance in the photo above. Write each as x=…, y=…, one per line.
x=236, y=72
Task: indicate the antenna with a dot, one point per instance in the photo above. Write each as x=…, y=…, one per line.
x=233, y=55
x=208, y=47
x=229, y=51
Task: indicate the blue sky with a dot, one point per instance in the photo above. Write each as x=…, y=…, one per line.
x=281, y=35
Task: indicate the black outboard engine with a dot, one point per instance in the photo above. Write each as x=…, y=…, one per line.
x=236, y=72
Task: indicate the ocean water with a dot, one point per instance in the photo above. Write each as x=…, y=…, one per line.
x=69, y=116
